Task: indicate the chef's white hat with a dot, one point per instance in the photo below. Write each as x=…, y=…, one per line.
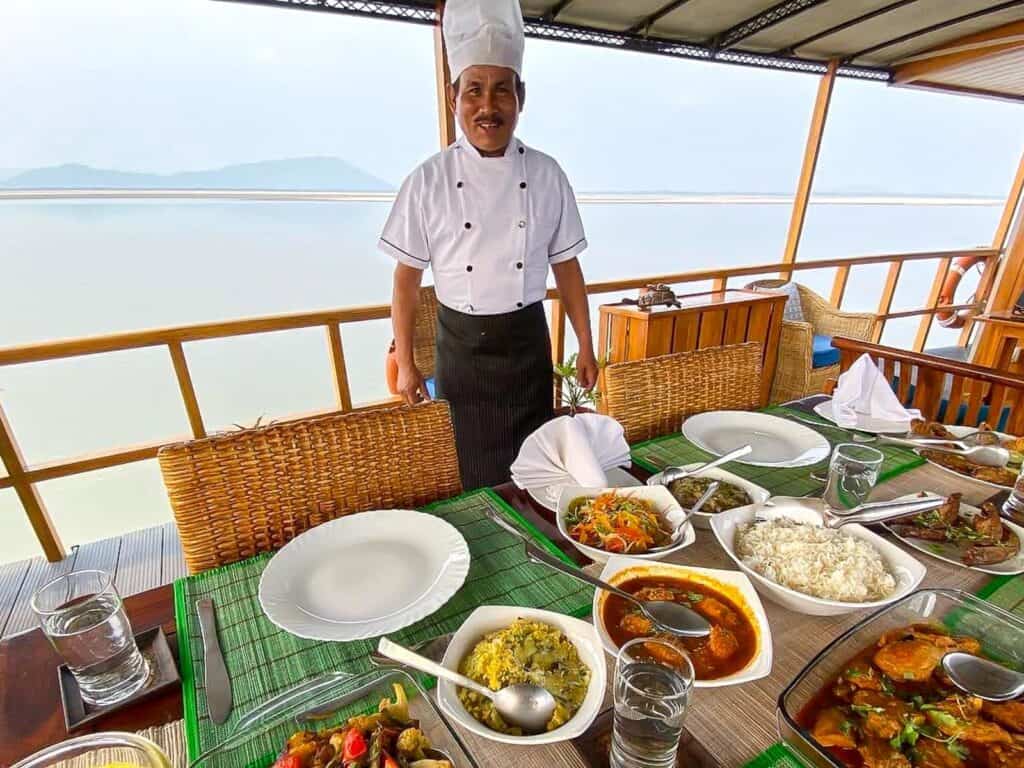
x=483, y=32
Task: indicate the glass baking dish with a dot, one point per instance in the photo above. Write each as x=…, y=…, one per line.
x=1001, y=633
x=324, y=702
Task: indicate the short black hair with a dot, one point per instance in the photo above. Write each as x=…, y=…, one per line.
x=520, y=86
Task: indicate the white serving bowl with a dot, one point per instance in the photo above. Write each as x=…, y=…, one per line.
x=732, y=584
x=659, y=496
x=702, y=520
x=907, y=571
x=489, y=618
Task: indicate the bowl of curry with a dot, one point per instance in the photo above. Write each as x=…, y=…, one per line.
x=877, y=696
x=739, y=648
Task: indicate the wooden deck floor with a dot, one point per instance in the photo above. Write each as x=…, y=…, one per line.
x=139, y=560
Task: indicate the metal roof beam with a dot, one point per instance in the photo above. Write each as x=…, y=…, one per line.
x=655, y=17
x=423, y=12
x=934, y=28
x=845, y=25
x=767, y=18
x=556, y=9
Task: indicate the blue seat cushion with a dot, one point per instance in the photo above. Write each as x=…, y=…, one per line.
x=822, y=352
x=431, y=386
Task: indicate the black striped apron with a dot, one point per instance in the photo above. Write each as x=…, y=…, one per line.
x=495, y=371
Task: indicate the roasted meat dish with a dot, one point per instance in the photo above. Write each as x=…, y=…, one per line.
x=979, y=539
x=892, y=707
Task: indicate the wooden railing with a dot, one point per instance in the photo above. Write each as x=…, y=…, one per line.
x=23, y=477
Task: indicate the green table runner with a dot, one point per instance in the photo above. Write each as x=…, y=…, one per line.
x=263, y=660
x=1005, y=591
x=675, y=450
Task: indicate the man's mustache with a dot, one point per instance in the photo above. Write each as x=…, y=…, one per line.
x=489, y=119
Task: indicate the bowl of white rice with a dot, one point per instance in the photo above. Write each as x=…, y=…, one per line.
x=796, y=562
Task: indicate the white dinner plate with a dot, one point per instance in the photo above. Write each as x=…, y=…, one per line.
x=548, y=496
x=865, y=423
x=943, y=550
x=364, y=575
x=776, y=442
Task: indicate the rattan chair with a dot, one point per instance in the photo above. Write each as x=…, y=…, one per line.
x=651, y=397
x=795, y=374
x=425, y=331
x=241, y=493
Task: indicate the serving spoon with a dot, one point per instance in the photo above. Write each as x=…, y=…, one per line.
x=678, y=473
x=524, y=705
x=674, y=537
x=985, y=455
x=983, y=678
x=667, y=616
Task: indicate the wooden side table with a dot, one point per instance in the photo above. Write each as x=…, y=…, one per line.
x=1006, y=339
x=712, y=319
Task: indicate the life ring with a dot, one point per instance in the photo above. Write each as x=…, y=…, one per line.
x=949, y=318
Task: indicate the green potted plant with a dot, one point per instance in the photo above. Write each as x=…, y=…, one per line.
x=574, y=398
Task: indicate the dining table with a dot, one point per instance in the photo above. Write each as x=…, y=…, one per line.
x=725, y=726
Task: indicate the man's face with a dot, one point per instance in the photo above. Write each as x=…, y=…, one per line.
x=487, y=107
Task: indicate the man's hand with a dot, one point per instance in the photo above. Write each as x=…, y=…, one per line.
x=411, y=384
x=586, y=369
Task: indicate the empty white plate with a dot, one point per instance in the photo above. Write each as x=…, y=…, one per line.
x=865, y=423
x=364, y=575
x=776, y=442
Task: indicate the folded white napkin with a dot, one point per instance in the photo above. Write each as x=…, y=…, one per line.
x=571, y=450
x=863, y=391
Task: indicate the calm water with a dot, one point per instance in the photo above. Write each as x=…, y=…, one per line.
x=82, y=268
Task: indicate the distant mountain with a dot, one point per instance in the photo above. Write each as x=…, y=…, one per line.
x=309, y=173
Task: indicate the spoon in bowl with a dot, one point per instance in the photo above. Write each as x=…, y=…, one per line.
x=674, y=538
x=524, y=705
x=678, y=473
x=667, y=616
x=983, y=678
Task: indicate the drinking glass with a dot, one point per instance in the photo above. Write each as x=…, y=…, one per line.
x=653, y=680
x=83, y=617
x=852, y=473
x=1013, y=507
x=126, y=750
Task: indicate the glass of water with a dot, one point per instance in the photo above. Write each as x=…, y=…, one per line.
x=653, y=680
x=83, y=617
x=852, y=474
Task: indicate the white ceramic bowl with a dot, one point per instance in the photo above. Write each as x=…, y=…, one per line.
x=732, y=584
x=907, y=571
x=702, y=520
x=489, y=618
x=659, y=496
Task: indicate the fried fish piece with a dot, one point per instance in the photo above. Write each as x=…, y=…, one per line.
x=913, y=660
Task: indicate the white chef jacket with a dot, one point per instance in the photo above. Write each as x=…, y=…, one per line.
x=488, y=227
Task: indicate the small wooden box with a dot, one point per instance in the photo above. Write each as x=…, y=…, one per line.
x=712, y=319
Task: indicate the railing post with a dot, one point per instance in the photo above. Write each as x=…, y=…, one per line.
x=30, y=499
x=558, y=341
x=810, y=164
x=925, y=326
x=885, y=301
x=341, y=388
x=839, y=287
x=445, y=118
x=188, y=391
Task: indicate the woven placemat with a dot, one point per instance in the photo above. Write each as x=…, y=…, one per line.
x=1005, y=591
x=263, y=660
x=675, y=450
x=170, y=738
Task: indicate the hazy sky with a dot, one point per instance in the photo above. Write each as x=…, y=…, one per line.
x=168, y=85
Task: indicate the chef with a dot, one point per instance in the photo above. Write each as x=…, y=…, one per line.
x=489, y=216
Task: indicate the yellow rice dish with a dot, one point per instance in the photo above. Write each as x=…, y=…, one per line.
x=525, y=652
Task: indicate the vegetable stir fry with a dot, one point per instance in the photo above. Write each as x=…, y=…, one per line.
x=616, y=523
x=387, y=739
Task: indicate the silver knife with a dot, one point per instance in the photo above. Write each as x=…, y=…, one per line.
x=218, y=684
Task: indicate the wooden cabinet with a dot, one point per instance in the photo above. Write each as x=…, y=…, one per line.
x=712, y=319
